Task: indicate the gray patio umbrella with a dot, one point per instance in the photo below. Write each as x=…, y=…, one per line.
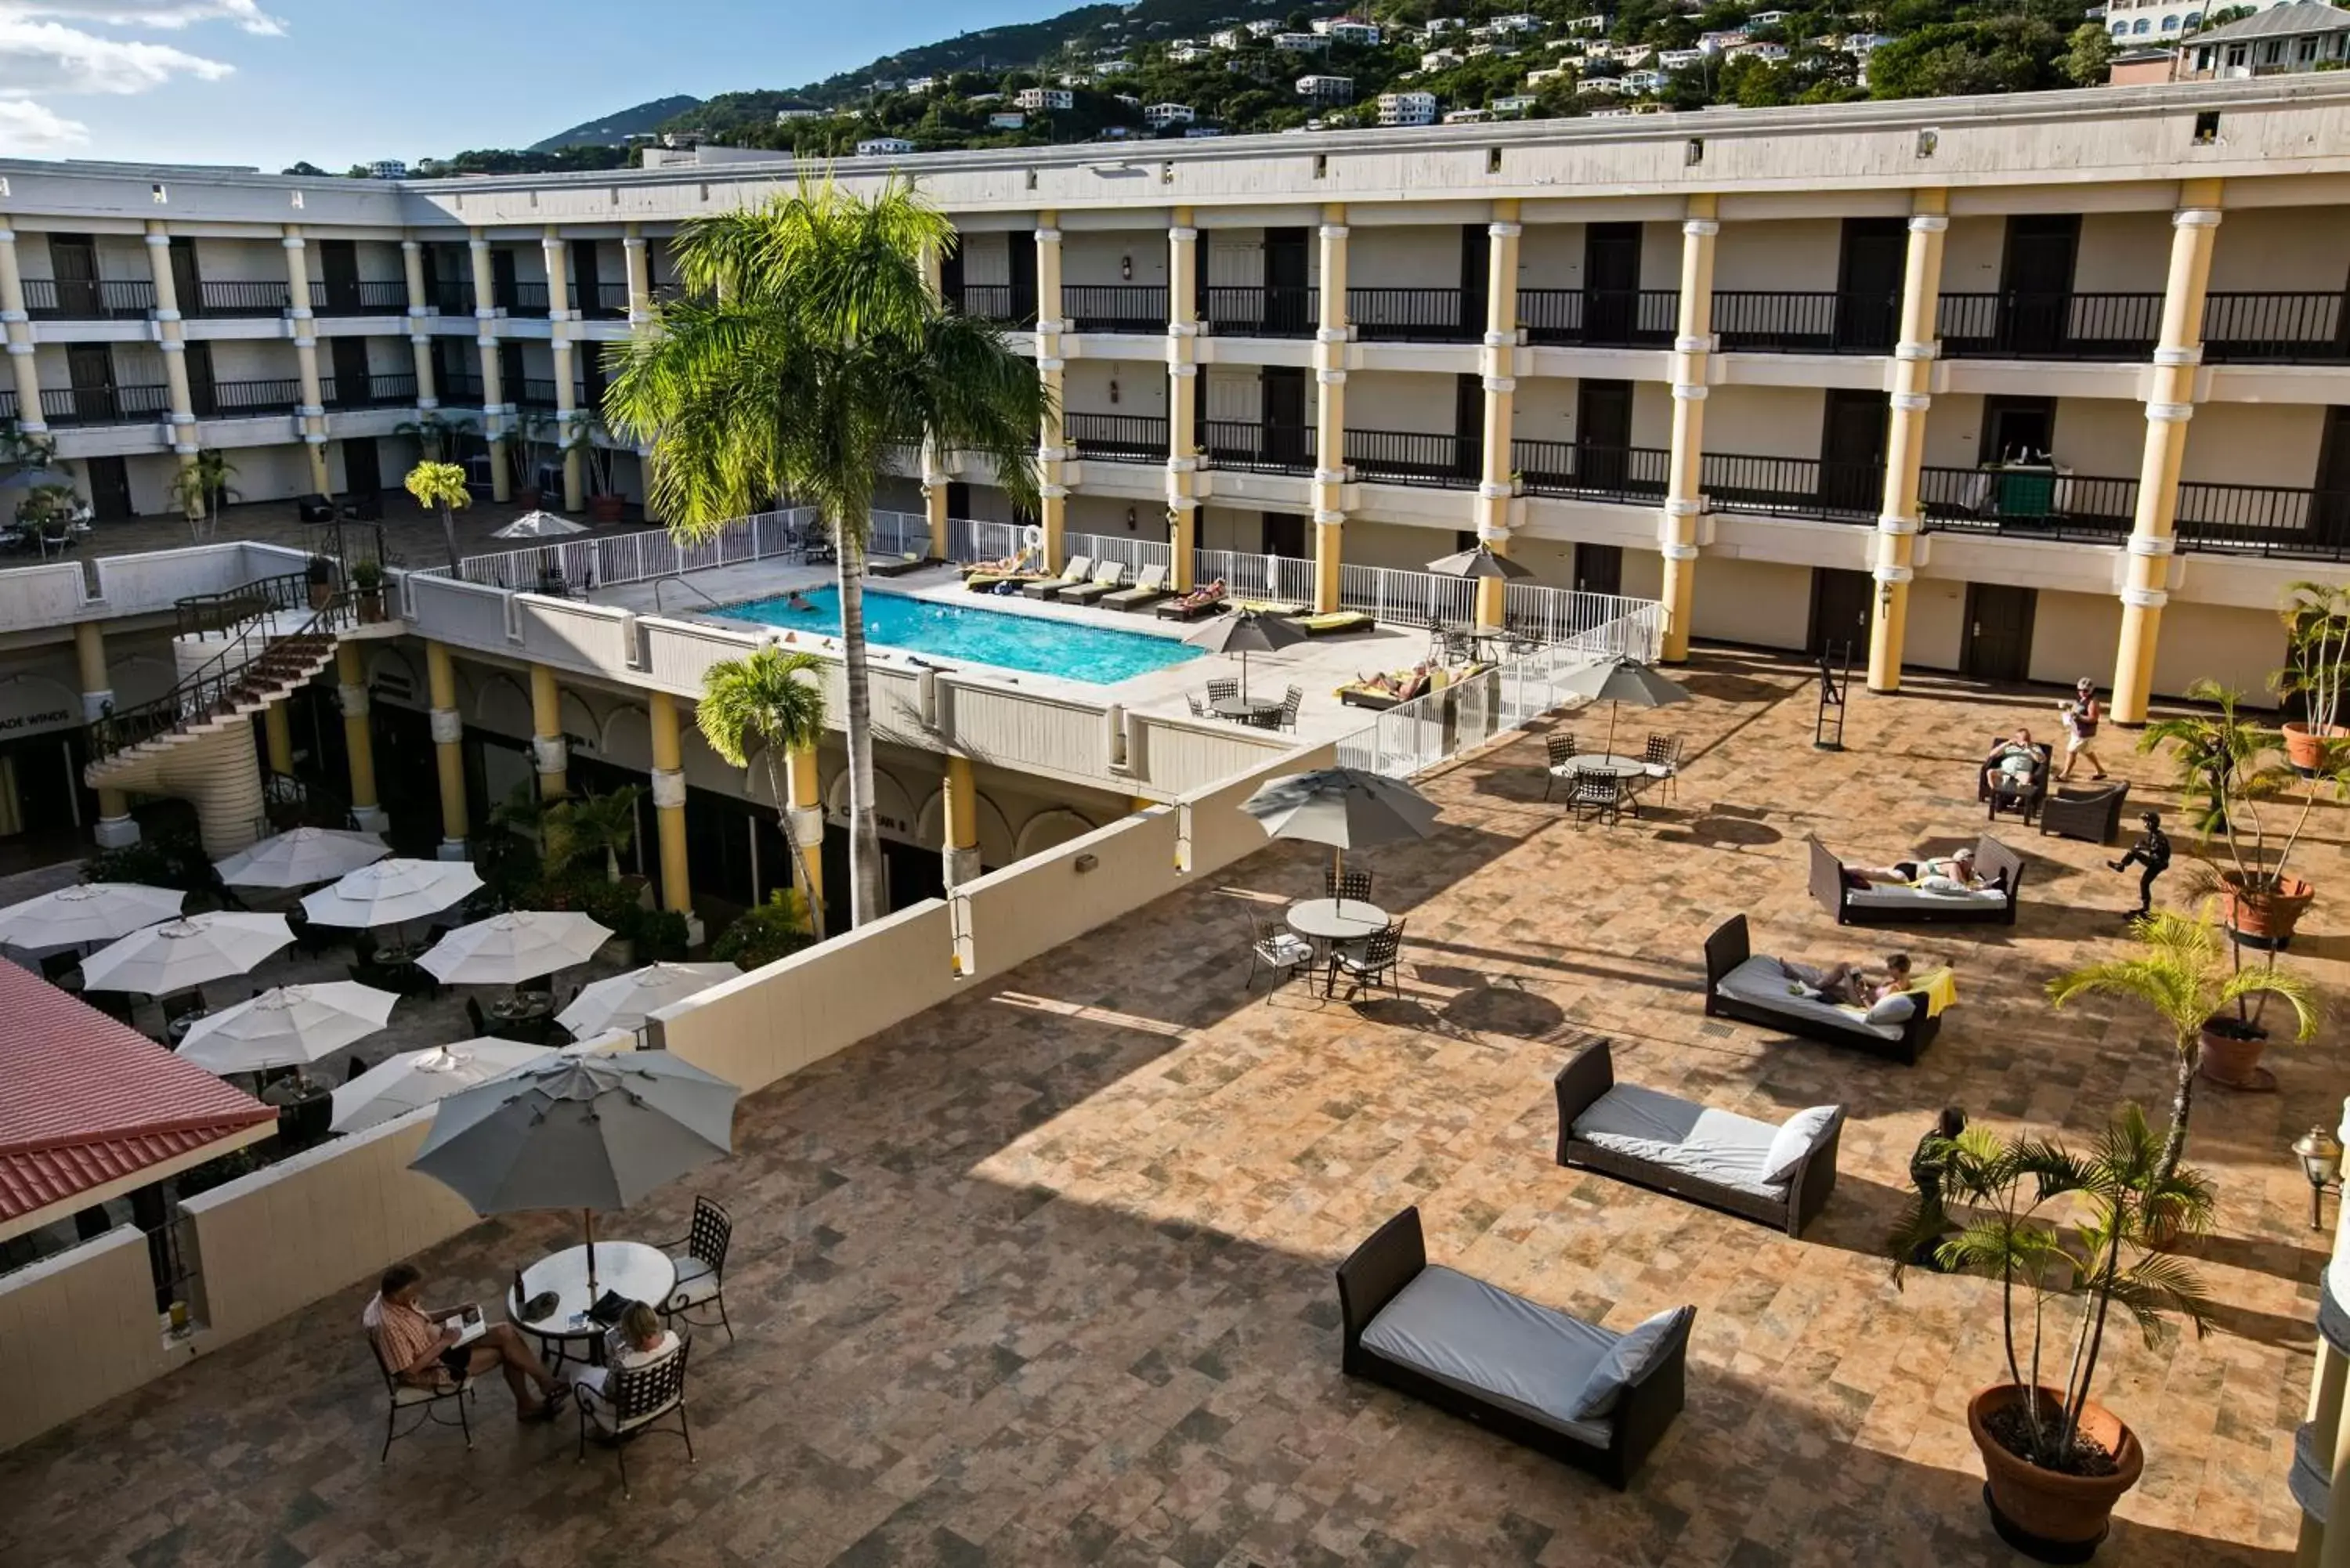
x=1479, y=562
x=33, y=479
x=585, y=1132
x=1346, y=808
x=1245, y=633
x=1617, y=679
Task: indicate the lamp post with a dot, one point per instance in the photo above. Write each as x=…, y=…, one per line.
x=2320, y=1159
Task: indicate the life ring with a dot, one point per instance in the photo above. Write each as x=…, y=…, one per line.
x=1032, y=537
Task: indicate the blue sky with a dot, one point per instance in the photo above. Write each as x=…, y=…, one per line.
x=266, y=82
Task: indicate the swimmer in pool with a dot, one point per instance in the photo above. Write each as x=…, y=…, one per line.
x=797, y=600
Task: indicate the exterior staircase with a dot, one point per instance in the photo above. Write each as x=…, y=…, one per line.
x=206, y=703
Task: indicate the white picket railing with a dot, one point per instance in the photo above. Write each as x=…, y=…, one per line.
x=639, y=556
x=1132, y=554
x=1252, y=576
x=897, y=534
x=1407, y=599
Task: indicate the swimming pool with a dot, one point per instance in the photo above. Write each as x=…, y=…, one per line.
x=1039, y=645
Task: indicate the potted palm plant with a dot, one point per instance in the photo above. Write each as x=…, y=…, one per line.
x=441, y=486
x=2227, y=772
x=2068, y=1239
x=2317, y=648
x=201, y=488
x=48, y=510
x=366, y=578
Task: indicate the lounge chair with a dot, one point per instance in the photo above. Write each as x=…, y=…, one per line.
x=894, y=566
x=1778, y=1173
x=1280, y=608
x=1071, y=574
x=1338, y=623
x=1150, y=587
x=1209, y=600
x=1740, y=983
x=1586, y=1395
x=2021, y=794
x=1106, y=579
x=1409, y=684
x=2002, y=869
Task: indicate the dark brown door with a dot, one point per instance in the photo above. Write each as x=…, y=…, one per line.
x=90, y=369
x=1600, y=568
x=501, y=279
x=109, y=488
x=350, y=368
x=1997, y=644
x=338, y=261
x=510, y=368
x=1611, y=282
x=958, y=498
x=202, y=394
x=1868, y=283
x=73, y=258
x=1284, y=413
x=1284, y=535
x=1288, y=300
x=2018, y=430
x=186, y=281
x=362, y=468
x=950, y=277
x=2035, y=283
x=1467, y=426
x=587, y=281
x=1852, y=452
x=2330, y=518
x=1603, y=436
x=1476, y=260
x=1840, y=606
x=1024, y=279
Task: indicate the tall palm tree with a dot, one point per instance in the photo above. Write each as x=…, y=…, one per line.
x=805, y=346
x=441, y=486
x=761, y=699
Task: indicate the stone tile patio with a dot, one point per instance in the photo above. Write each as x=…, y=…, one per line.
x=1044, y=1276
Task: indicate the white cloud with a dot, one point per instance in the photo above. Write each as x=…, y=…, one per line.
x=48, y=57
x=246, y=14
x=26, y=129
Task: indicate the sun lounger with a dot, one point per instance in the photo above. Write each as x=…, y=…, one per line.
x=1882, y=903
x=1281, y=608
x=993, y=582
x=1338, y=623
x=1150, y=587
x=1742, y=983
x=1071, y=574
x=1209, y=600
x=1105, y=580
x=892, y=565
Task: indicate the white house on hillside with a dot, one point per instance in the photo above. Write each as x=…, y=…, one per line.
x=1406, y=109
x=1326, y=89
x=884, y=147
x=1160, y=115
x=1045, y=98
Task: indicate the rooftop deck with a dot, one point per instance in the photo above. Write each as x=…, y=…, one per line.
x=1044, y=1276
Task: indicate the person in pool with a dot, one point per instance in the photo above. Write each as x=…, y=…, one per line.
x=797, y=600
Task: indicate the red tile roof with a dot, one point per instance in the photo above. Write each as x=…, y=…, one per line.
x=85, y=1100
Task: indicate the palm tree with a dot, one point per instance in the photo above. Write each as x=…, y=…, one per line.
x=761, y=699
x=2185, y=973
x=597, y=824
x=441, y=485
x=804, y=346
x=434, y=433
x=202, y=486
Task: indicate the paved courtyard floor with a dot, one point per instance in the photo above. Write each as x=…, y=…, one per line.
x=1044, y=1276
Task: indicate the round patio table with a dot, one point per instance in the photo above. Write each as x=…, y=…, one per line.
x=626, y=1269
x=523, y=1007
x=1623, y=767
x=1247, y=709
x=1337, y=920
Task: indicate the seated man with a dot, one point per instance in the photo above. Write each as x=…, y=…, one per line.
x=1849, y=983
x=420, y=1349
x=636, y=1340
x=1404, y=683
x=1958, y=866
x=2012, y=762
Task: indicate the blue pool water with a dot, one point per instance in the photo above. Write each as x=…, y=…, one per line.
x=1036, y=644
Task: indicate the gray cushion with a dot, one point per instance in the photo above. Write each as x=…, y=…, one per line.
x=1893, y=896
x=1797, y=1136
x=1763, y=983
x=1481, y=1340
x=1897, y=1008
x=1649, y=1125
x=1625, y=1360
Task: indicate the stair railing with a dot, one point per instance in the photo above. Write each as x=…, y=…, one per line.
x=211, y=686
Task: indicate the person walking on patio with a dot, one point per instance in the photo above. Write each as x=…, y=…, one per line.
x=1926, y=1168
x=2081, y=716
x=417, y=1346
x=2152, y=854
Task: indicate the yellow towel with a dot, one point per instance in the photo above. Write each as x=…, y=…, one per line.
x=1941, y=989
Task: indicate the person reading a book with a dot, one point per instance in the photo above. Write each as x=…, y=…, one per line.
x=636, y=1340
x=434, y=1349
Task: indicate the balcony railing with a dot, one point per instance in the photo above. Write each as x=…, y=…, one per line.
x=1793, y=486
x=1761, y=321
x=372, y=392
x=2270, y=519
x=1600, y=318
x=991, y=302
x=2290, y=328
x=2031, y=502
x=1636, y=473
x=534, y=393
x=524, y=299
x=104, y=405
x=460, y=387
x=228, y=299
x=611, y=300
x=88, y=299
x=366, y=297
x=1415, y=457
x=452, y=297
x=241, y=400
x=1116, y=307
x=1117, y=437
x=2013, y=324
x=1263, y=312
x=1412, y=316
x=1250, y=447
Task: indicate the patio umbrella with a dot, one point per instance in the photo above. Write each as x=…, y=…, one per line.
x=299, y=857
x=35, y=479
x=1346, y=808
x=1619, y=679
x=289, y=1027
x=623, y=1000
x=391, y=891
x=508, y=948
x=585, y=1132
x=92, y=912
x=1479, y=562
x=1245, y=633
x=538, y=526
x=184, y=952
x=401, y=1083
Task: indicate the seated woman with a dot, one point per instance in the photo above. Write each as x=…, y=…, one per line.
x=2012, y=762
x=636, y=1340
x=1402, y=686
x=1203, y=596
x=1850, y=984
x=1957, y=866
x=420, y=1350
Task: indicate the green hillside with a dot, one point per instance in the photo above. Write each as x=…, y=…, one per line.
x=614, y=130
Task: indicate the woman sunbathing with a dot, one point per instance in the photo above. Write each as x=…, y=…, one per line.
x=1401, y=687
x=1850, y=984
x=1958, y=868
x=1199, y=596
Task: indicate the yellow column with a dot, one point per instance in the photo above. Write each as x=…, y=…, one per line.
x=1676, y=529
x=1182, y=379
x=277, y=735
x=962, y=824
x=498, y=415
x=115, y=829
x=419, y=341
x=547, y=746
x=171, y=338
x=2153, y=533
x=448, y=748
x=560, y=316
x=1905, y=444
x=1330, y=413
x=1495, y=488
x=357, y=739
x=668, y=803
x=311, y=417
x=933, y=461
x=23, y=366
x=1050, y=448
x=806, y=803
x=640, y=282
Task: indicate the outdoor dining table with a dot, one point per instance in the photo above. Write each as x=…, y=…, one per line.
x=1337, y=920
x=522, y=1007
x=629, y=1270
x=1622, y=767
x=1246, y=710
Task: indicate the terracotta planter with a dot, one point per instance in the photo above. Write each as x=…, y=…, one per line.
x=2268, y=916
x=2305, y=744
x=2047, y=1516
x=528, y=498
x=2229, y=1056
x=370, y=605
x=606, y=508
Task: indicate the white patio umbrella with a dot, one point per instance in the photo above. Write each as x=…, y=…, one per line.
x=184, y=952
x=508, y=948
x=92, y=912
x=289, y=1027
x=299, y=857
x=391, y=891
x=623, y=1000
x=538, y=526
x=399, y=1085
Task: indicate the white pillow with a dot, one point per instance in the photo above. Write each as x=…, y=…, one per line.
x=1942, y=885
x=1794, y=1139
x=1626, y=1360
x=1897, y=1008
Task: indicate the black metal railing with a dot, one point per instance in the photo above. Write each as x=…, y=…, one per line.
x=535, y=393
x=1777, y=321
x=231, y=399
x=2038, y=502
x=1255, y=448
x=365, y=297
x=2269, y=519
x=224, y=298
x=1589, y=472
x=1413, y=314
x=1117, y=437
x=453, y=296
x=88, y=298
x=2287, y=328
x=201, y=614
x=1600, y=318
x=524, y=299
x=2014, y=324
x=611, y=300
x=104, y=405
x=1415, y=457
x=462, y=385
x=1116, y=306
x=991, y=302
x=1793, y=486
x=369, y=392
x=1252, y=312
x=252, y=656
